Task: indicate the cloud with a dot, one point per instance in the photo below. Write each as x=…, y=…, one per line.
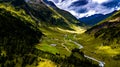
x=111, y=4
x=100, y=1
x=79, y=3
x=85, y=8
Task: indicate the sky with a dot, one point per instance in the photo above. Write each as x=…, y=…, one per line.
x=86, y=8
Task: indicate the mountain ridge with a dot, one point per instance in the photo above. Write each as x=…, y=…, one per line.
x=94, y=19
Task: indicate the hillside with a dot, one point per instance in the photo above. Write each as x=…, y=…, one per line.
x=35, y=35
x=18, y=35
x=67, y=15
x=108, y=29
x=102, y=41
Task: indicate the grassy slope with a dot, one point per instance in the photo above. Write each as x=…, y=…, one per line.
x=108, y=29
x=18, y=35
x=103, y=41
x=53, y=17
x=22, y=45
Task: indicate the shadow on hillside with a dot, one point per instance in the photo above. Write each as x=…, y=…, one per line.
x=17, y=39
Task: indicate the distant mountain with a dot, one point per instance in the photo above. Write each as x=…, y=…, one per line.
x=94, y=19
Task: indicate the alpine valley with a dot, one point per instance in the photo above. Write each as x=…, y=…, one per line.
x=36, y=33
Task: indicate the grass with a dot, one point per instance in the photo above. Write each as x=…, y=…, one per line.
x=104, y=44
x=19, y=13
x=77, y=30
x=94, y=47
x=47, y=48
x=46, y=63
x=42, y=63
x=108, y=50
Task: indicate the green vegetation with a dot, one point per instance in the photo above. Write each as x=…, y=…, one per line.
x=102, y=41
x=26, y=42
x=95, y=47
x=17, y=36
x=35, y=35
x=108, y=30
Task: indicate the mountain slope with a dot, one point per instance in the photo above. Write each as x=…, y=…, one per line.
x=66, y=14
x=102, y=41
x=27, y=39
x=108, y=29
x=18, y=35
x=42, y=12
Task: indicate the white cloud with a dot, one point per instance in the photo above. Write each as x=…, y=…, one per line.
x=118, y=8
x=89, y=13
x=100, y=1
x=79, y=15
x=63, y=4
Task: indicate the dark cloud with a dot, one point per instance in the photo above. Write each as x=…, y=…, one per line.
x=62, y=0
x=111, y=4
x=82, y=10
x=79, y=3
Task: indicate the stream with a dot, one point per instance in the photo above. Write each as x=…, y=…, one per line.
x=101, y=63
